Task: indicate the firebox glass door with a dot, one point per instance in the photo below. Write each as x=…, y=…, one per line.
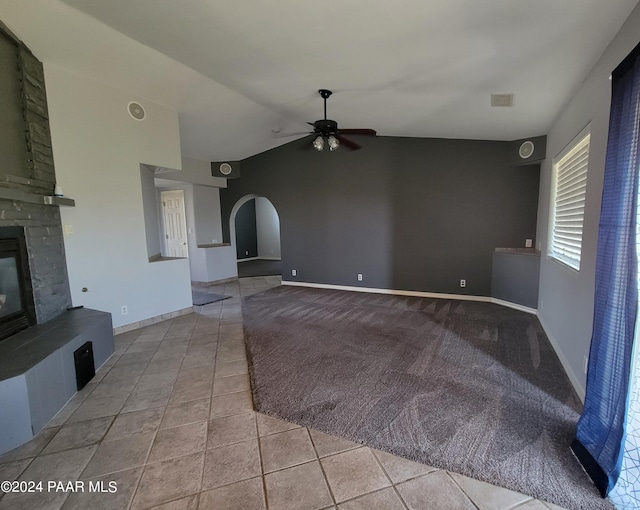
x=10, y=298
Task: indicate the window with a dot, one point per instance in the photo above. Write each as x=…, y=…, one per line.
x=569, y=190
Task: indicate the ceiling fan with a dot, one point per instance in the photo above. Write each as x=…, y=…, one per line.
x=328, y=133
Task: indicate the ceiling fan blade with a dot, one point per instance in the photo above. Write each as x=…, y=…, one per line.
x=368, y=132
x=345, y=142
x=285, y=135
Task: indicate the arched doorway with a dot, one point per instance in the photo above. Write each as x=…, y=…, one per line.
x=255, y=235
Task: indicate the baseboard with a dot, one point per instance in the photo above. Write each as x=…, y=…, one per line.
x=515, y=306
x=414, y=293
x=575, y=382
x=151, y=320
x=371, y=290
x=216, y=282
x=249, y=259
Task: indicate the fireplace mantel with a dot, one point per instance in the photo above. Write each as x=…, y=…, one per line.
x=17, y=195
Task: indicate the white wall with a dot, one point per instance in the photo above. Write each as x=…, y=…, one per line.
x=566, y=299
x=151, y=218
x=219, y=262
x=268, y=229
x=208, y=222
x=98, y=149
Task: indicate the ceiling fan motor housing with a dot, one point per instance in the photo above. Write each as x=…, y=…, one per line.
x=326, y=127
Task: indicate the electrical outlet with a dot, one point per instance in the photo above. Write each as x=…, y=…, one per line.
x=463, y=283
x=214, y=241
x=359, y=277
x=528, y=243
x=294, y=272
x=124, y=310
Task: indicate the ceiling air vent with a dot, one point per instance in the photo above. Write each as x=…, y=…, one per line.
x=502, y=100
x=136, y=110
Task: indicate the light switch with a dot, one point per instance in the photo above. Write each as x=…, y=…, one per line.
x=68, y=230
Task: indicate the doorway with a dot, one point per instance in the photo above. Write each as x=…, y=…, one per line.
x=255, y=235
x=174, y=224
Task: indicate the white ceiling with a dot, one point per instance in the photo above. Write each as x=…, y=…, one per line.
x=238, y=69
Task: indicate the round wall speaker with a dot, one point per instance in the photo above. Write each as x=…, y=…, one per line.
x=136, y=110
x=526, y=149
x=225, y=169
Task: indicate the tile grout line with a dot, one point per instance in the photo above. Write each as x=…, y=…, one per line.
x=393, y=485
x=134, y=493
x=262, y=473
x=206, y=439
x=461, y=488
x=324, y=474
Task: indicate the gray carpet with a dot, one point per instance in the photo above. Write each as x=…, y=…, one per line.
x=201, y=298
x=475, y=388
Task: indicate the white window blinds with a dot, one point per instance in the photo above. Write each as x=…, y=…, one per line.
x=570, y=186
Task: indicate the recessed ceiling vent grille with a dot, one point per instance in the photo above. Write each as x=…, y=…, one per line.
x=502, y=100
x=136, y=110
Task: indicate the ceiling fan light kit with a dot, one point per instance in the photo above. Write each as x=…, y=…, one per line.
x=318, y=143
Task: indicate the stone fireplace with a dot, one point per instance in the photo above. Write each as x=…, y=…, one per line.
x=39, y=331
x=27, y=177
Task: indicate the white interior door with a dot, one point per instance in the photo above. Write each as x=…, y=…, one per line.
x=175, y=226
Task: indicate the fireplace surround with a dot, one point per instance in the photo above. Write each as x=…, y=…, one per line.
x=39, y=329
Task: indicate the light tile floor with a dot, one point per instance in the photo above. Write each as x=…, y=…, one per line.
x=169, y=419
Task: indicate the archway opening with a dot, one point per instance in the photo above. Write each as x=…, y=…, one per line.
x=255, y=235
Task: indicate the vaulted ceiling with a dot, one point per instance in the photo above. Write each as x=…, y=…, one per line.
x=238, y=70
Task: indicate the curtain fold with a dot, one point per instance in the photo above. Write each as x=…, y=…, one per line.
x=600, y=433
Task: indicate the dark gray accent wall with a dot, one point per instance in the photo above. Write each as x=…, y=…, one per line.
x=246, y=231
x=28, y=167
x=408, y=213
